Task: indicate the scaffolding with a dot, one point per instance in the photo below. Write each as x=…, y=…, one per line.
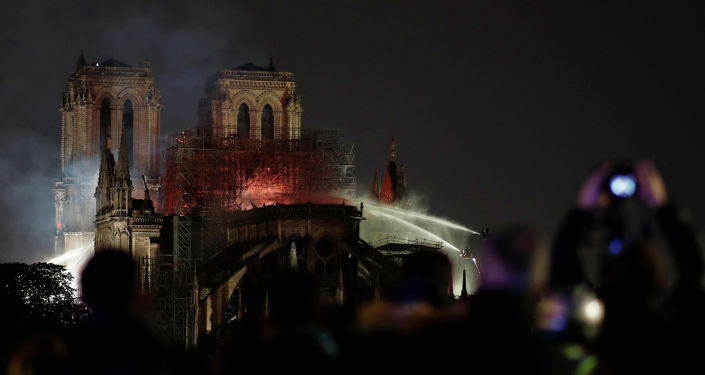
x=175, y=284
x=405, y=242
x=231, y=174
x=207, y=176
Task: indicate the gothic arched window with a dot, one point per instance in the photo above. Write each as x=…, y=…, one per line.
x=267, y=122
x=104, y=122
x=325, y=248
x=127, y=122
x=243, y=121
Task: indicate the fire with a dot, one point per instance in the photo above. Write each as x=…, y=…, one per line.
x=241, y=174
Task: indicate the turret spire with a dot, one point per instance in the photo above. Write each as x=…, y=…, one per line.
x=389, y=183
x=122, y=189
x=270, y=66
x=103, y=192
x=387, y=193
x=375, y=185
x=464, y=292
x=123, y=167
x=81, y=62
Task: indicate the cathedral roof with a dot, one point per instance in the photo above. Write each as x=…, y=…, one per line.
x=142, y=204
x=252, y=67
x=114, y=63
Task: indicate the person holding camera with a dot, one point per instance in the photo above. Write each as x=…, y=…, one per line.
x=630, y=272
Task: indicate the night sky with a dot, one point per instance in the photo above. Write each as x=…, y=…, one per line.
x=499, y=108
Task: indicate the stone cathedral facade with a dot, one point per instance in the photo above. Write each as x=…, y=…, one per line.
x=204, y=267
x=101, y=100
x=122, y=222
x=251, y=102
x=109, y=99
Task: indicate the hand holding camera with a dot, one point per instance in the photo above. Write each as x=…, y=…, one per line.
x=611, y=183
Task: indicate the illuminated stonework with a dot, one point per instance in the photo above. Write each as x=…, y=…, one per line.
x=100, y=100
x=105, y=97
x=251, y=102
x=122, y=222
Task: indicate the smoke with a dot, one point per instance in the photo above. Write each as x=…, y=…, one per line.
x=26, y=199
x=412, y=221
x=502, y=107
x=41, y=43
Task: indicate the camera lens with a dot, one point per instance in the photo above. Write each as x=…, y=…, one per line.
x=623, y=185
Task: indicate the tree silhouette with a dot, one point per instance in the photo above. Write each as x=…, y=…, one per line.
x=35, y=298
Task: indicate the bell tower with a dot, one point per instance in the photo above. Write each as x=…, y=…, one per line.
x=108, y=99
x=251, y=102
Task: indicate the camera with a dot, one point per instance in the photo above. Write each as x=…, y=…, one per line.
x=622, y=183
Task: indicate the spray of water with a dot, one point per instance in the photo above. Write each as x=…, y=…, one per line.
x=474, y=260
x=415, y=227
x=412, y=222
x=417, y=215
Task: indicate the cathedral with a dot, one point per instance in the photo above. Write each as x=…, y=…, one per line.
x=232, y=204
x=103, y=100
x=111, y=99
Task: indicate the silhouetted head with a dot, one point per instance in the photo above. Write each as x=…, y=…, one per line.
x=108, y=282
